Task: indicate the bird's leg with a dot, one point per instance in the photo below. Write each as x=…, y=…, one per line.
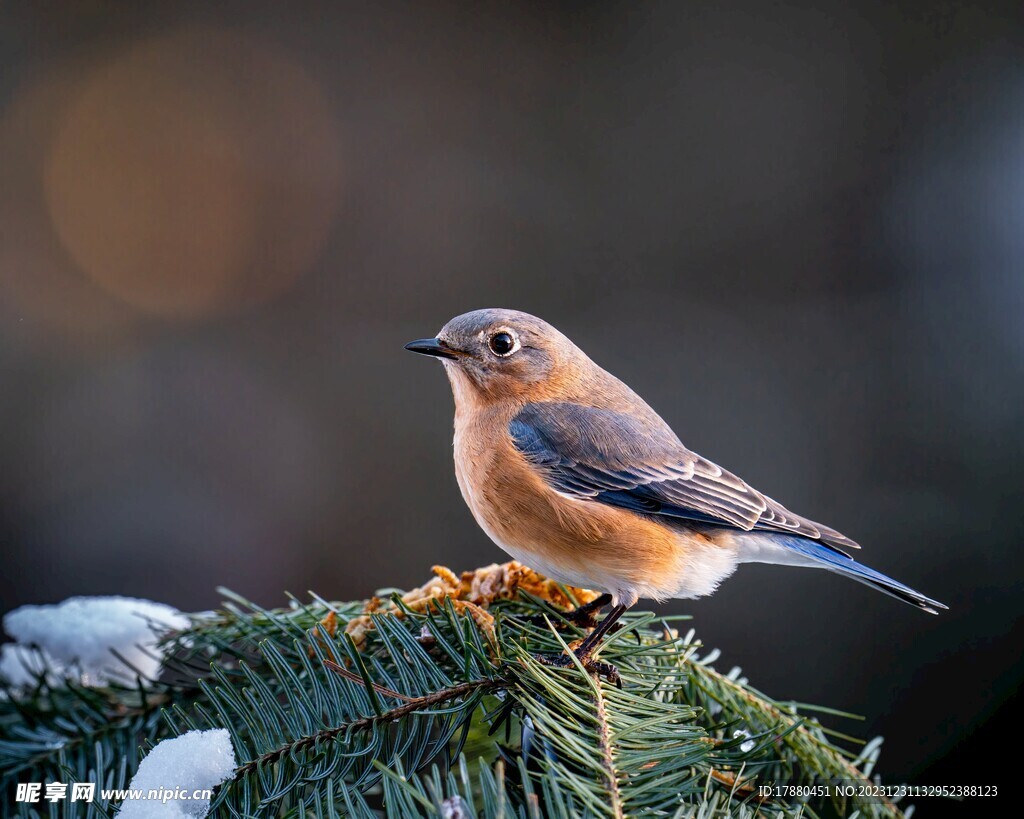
x=592, y=640
x=588, y=645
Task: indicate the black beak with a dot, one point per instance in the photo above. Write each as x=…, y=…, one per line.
x=431, y=346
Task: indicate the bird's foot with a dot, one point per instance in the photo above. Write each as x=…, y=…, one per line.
x=598, y=667
x=585, y=616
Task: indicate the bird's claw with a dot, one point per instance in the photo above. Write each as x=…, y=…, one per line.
x=583, y=620
x=584, y=616
x=598, y=667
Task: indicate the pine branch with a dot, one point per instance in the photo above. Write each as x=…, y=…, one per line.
x=432, y=703
x=794, y=732
x=804, y=736
x=59, y=725
x=412, y=705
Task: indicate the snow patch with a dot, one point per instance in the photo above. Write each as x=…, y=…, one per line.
x=80, y=635
x=196, y=761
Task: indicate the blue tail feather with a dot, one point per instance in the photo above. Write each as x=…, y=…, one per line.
x=827, y=558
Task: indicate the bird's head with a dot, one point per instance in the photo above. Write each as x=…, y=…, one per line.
x=496, y=354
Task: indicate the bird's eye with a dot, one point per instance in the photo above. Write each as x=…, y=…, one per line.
x=503, y=343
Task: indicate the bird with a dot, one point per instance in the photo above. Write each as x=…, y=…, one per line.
x=573, y=474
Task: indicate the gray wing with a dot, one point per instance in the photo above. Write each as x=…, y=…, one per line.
x=637, y=464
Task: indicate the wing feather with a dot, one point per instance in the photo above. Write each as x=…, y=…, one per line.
x=638, y=463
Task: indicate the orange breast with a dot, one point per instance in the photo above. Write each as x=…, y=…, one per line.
x=584, y=543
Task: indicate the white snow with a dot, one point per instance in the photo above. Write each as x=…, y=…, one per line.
x=198, y=760
x=79, y=635
x=745, y=747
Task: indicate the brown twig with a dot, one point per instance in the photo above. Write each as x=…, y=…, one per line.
x=604, y=731
x=380, y=689
x=738, y=787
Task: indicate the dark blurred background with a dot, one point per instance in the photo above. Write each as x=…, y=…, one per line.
x=798, y=231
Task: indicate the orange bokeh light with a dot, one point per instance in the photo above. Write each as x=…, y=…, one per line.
x=195, y=174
